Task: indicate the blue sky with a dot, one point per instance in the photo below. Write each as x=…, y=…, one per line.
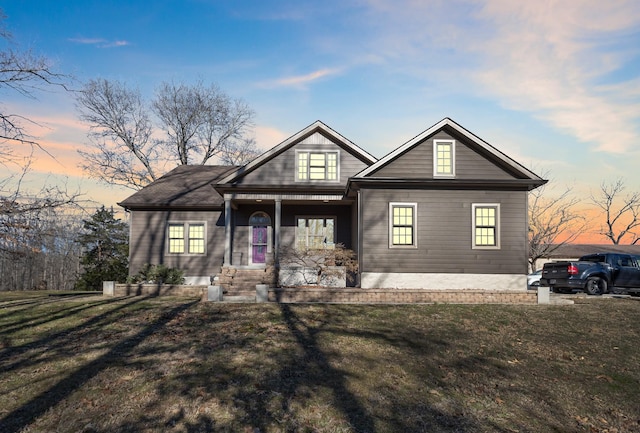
x=553, y=84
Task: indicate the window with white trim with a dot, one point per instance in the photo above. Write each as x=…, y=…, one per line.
x=402, y=224
x=444, y=152
x=486, y=226
x=316, y=166
x=186, y=238
x=315, y=232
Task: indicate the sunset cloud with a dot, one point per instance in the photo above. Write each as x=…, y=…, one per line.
x=552, y=58
x=301, y=80
x=558, y=60
x=267, y=137
x=100, y=42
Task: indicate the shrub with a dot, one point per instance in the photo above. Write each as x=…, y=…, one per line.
x=325, y=264
x=158, y=274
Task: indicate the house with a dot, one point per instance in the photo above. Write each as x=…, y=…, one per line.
x=445, y=210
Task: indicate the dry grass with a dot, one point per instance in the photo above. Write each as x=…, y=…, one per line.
x=93, y=364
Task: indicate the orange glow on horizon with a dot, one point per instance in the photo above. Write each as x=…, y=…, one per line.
x=594, y=219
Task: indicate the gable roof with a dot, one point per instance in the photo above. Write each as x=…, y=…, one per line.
x=184, y=186
x=315, y=127
x=480, y=143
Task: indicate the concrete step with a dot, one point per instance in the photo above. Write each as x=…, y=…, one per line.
x=239, y=292
x=239, y=299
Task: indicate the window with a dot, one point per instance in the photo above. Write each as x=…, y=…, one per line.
x=315, y=232
x=486, y=225
x=186, y=237
x=402, y=224
x=196, y=239
x=317, y=166
x=176, y=238
x=444, y=158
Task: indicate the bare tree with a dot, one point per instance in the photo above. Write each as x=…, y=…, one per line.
x=124, y=153
x=622, y=213
x=323, y=267
x=194, y=125
x=240, y=152
x=553, y=222
x=24, y=73
x=38, y=248
x=200, y=122
x=27, y=235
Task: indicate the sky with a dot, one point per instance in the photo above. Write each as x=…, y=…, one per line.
x=553, y=84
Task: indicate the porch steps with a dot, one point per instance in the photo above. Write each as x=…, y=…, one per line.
x=239, y=285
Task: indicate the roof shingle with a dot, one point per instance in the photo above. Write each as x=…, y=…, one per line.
x=184, y=186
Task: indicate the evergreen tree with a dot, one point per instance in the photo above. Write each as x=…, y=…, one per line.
x=105, y=245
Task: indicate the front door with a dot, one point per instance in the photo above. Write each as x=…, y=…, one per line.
x=259, y=244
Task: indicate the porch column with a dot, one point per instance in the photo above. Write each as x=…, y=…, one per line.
x=276, y=240
x=227, y=231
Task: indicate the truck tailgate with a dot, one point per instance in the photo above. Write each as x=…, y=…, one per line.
x=558, y=270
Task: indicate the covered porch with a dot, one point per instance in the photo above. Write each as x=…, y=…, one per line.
x=258, y=226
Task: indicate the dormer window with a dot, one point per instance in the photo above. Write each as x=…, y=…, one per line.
x=444, y=152
x=315, y=166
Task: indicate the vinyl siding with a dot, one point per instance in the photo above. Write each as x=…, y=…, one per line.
x=149, y=237
x=417, y=163
x=281, y=170
x=444, y=233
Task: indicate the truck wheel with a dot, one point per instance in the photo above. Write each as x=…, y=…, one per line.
x=596, y=286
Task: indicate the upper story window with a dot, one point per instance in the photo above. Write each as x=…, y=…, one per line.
x=402, y=224
x=486, y=226
x=317, y=165
x=186, y=238
x=444, y=155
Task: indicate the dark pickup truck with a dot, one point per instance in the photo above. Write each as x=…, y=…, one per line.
x=595, y=273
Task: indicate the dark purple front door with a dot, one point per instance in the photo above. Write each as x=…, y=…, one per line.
x=259, y=244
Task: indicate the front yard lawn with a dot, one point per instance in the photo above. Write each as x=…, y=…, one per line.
x=93, y=364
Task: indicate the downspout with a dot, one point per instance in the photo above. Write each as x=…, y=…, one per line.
x=227, y=231
x=276, y=240
x=359, y=240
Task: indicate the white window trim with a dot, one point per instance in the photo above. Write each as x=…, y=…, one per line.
x=307, y=217
x=474, y=206
x=453, y=159
x=336, y=152
x=415, y=225
x=186, y=225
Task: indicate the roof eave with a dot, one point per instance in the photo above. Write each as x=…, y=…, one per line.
x=403, y=183
x=160, y=206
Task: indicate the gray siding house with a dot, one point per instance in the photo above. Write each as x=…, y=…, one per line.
x=445, y=210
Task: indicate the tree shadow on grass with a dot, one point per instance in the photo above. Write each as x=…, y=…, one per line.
x=59, y=342
x=313, y=369
x=31, y=410
x=259, y=397
x=21, y=306
x=301, y=382
x=29, y=321
x=290, y=368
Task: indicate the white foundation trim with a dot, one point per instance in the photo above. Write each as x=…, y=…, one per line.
x=379, y=280
x=197, y=280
